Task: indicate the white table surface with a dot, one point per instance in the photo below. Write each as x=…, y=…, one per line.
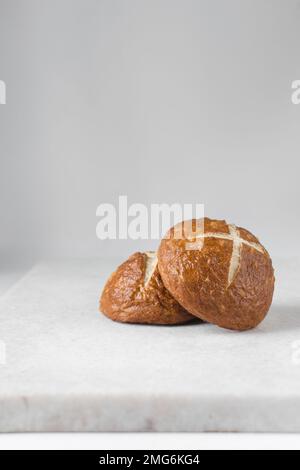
x=70, y=369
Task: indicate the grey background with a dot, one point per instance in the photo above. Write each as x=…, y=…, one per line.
x=163, y=101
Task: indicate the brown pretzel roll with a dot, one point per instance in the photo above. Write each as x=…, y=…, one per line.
x=218, y=272
x=135, y=293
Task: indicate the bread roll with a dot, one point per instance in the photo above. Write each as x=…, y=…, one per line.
x=220, y=273
x=134, y=293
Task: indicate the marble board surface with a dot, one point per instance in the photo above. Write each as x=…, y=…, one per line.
x=66, y=367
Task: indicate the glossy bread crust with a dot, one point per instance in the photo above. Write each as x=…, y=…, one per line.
x=126, y=297
x=199, y=279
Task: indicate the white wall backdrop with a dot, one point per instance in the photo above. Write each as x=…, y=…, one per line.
x=160, y=100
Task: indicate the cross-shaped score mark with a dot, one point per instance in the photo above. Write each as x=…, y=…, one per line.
x=237, y=242
x=151, y=262
x=233, y=235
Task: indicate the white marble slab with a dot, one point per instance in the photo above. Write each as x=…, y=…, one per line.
x=70, y=369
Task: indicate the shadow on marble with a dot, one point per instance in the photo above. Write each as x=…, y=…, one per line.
x=282, y=318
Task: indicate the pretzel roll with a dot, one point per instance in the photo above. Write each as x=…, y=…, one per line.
x=218, y=272
x=135, y=293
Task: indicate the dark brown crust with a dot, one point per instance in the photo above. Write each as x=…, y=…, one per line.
x=126, y=299
x=198, y=279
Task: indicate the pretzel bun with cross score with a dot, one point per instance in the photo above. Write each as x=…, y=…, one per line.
x=218, y=272
x=135, y=293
